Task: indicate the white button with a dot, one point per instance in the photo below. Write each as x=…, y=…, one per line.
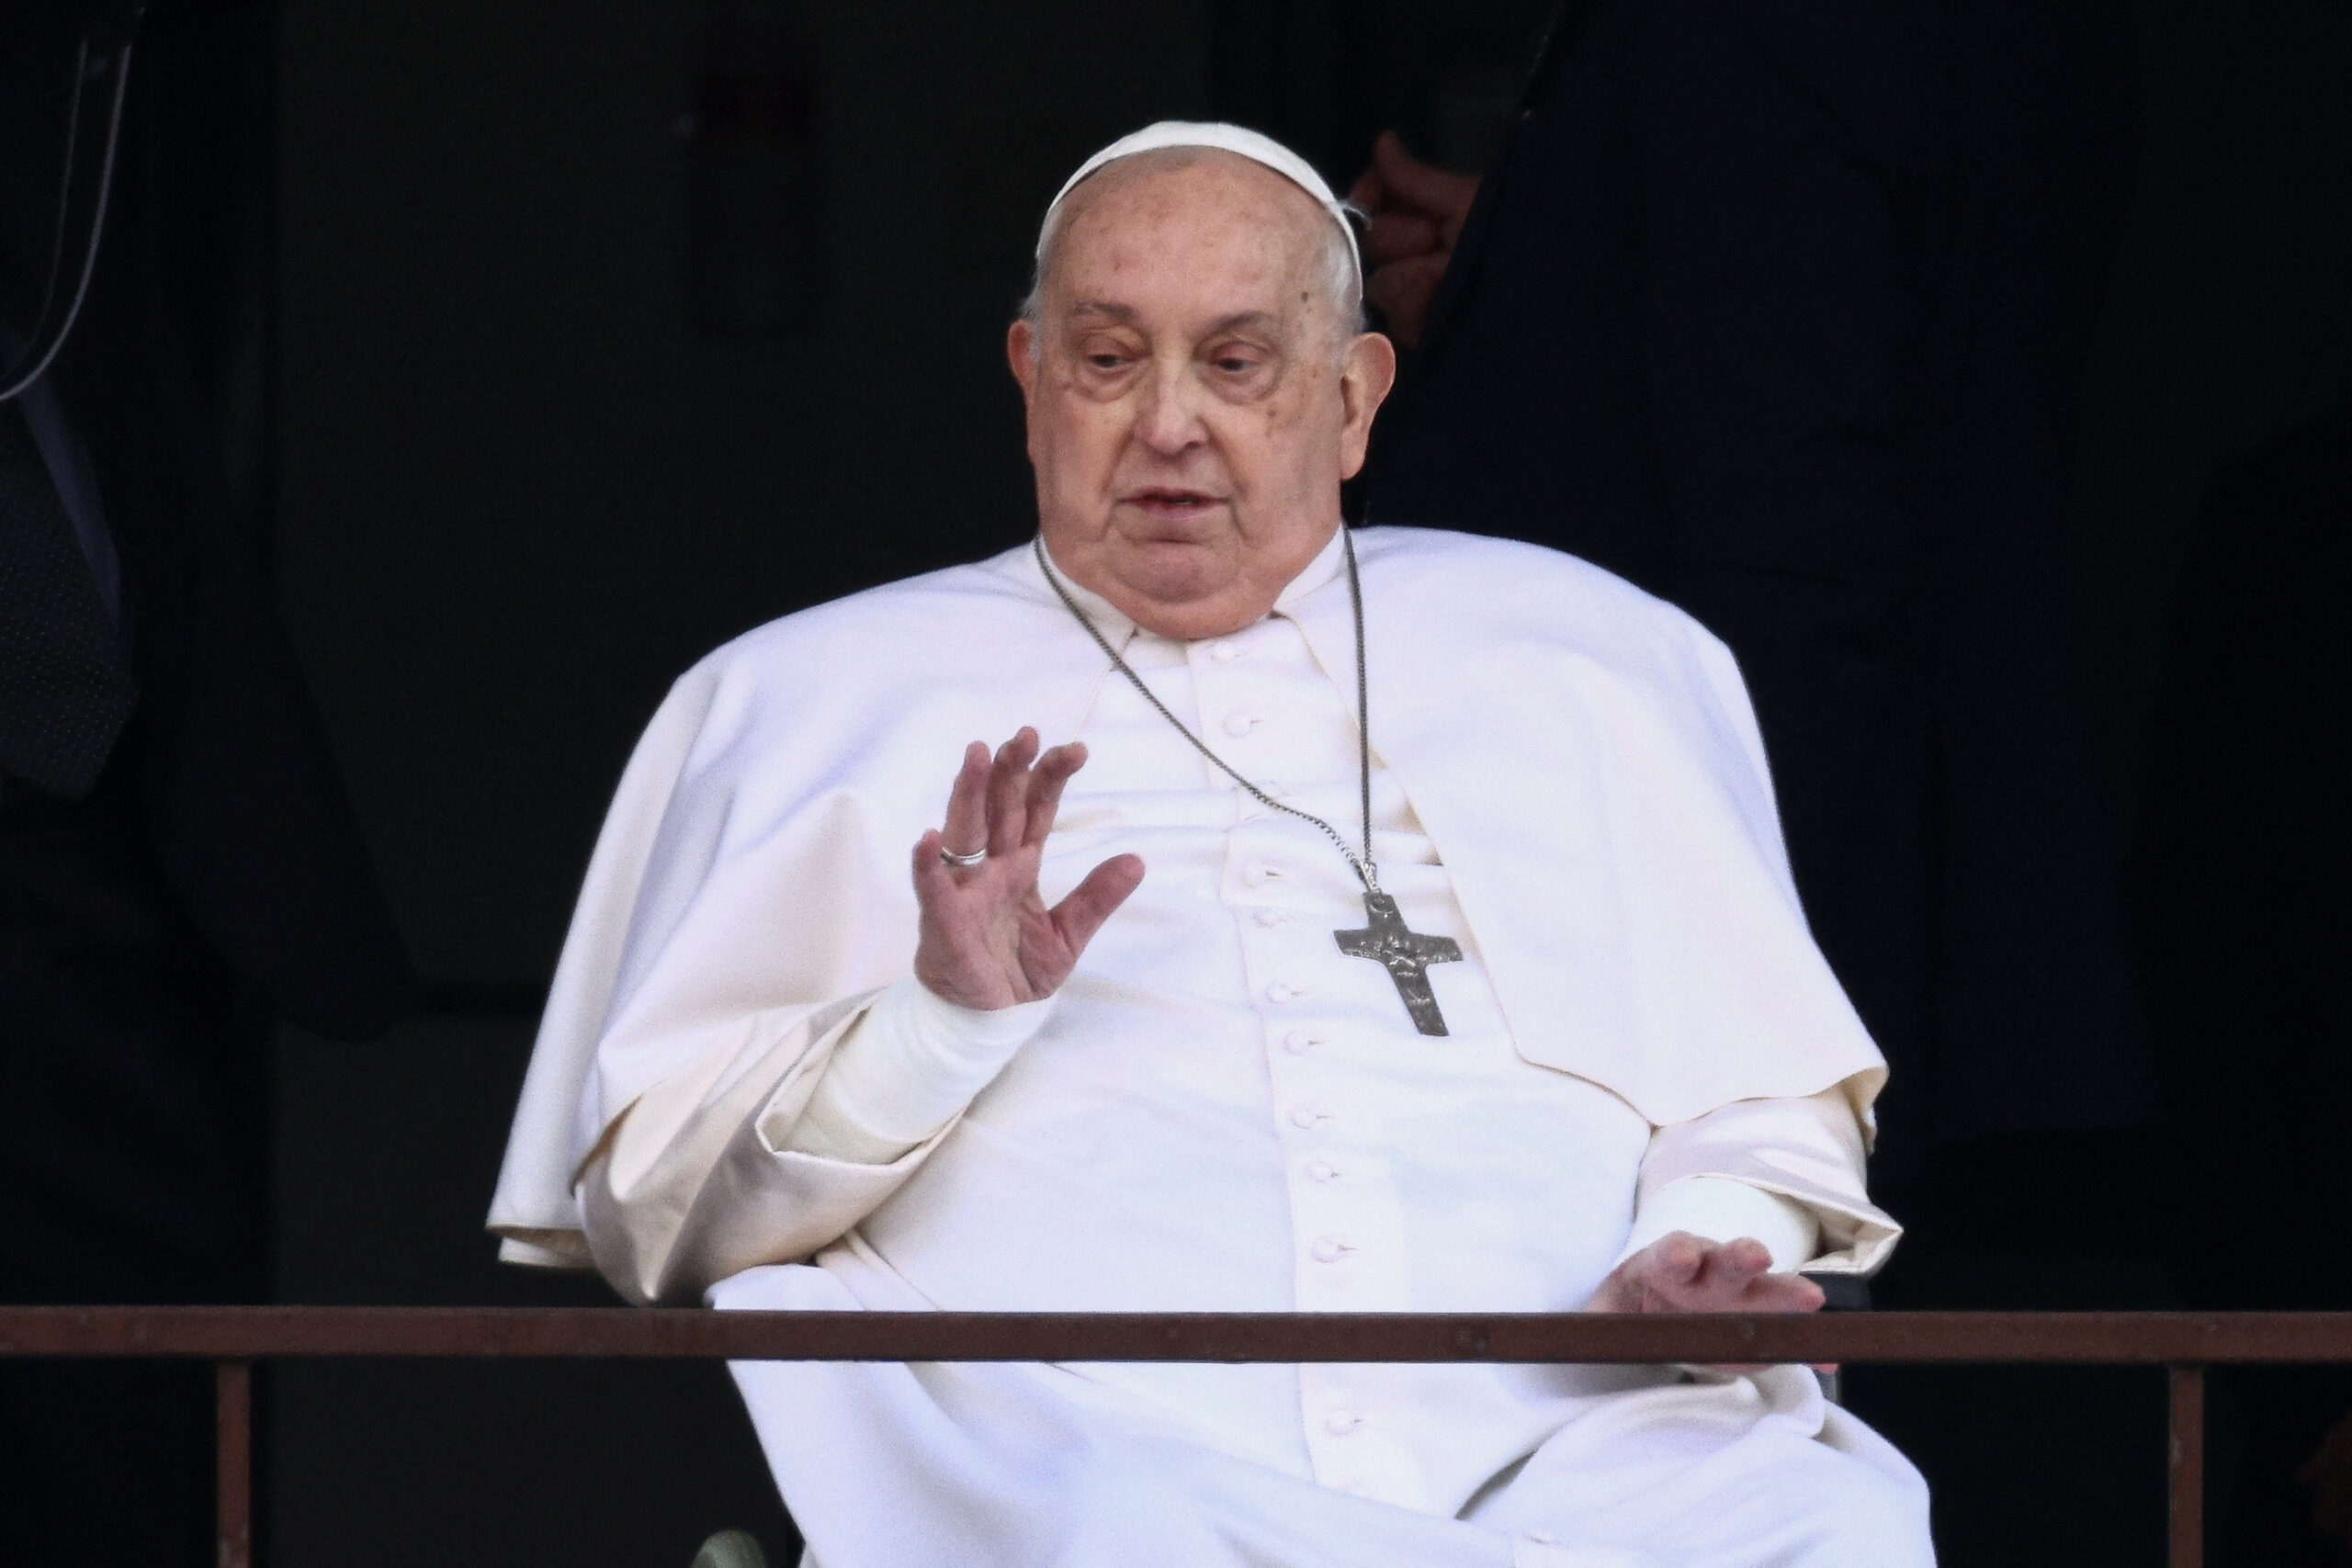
x=1282, y=991
x=1224, y=652
x=1542, y=1538
x=1321, y=1171
x=1308, y=1116
x=1259, y=875
x=1272, y=917
x=1298, y=1043
x=1239, y=723
x=1339, y=1423
x=1330, y=1249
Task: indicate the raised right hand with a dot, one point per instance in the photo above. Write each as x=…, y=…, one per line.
x=988, y=940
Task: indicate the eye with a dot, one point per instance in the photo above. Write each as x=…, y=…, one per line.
x=1105, y=359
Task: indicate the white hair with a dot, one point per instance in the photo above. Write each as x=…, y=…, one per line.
x=1342, y=277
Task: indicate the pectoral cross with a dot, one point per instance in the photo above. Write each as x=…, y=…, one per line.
x=1406, y=953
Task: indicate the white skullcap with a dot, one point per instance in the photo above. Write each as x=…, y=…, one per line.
x=1250, y=144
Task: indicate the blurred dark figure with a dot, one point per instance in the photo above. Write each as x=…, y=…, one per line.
x=178, y=865
x=2243, y=872
x=1780, y=309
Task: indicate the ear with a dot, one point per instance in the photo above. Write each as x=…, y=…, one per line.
x=1021, y=352
x=1369, y=372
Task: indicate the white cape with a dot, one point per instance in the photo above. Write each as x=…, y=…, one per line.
x=1582, y=755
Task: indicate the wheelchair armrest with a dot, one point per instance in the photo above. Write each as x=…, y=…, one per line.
x=1844, y=1293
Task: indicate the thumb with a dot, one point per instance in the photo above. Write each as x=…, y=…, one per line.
x=1093, y=901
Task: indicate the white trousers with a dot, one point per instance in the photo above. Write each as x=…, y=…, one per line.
x=984, y=1465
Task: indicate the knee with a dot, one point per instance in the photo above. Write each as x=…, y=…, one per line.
x=1870, y=1518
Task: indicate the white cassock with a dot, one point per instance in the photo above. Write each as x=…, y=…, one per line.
x=1221, y=1112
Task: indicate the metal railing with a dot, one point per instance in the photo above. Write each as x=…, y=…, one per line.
x=234, y=1337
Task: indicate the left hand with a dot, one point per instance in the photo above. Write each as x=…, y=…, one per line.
x=1681, y=1272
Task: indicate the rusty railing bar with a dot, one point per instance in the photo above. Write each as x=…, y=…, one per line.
x=249, y=1332
x=2186, y=1465
x=234, y=1337
x=233, y=1382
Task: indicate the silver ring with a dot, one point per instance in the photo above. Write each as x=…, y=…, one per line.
x=952, y=858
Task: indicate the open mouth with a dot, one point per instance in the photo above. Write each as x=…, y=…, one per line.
x=1171, y=505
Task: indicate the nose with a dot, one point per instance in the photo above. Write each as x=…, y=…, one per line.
x=1168, y=420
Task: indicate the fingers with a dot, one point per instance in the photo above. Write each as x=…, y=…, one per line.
x=1682, y=1272
x=1393, y=236
x=1728, y=1275
x=1782, y=1292
x=1732, y=1264
x=1004, y=802
x=1651, y=1279
x=1009, y=792
x=1404, y=290
x=968, y=819
x=1092, y=901
x=1372, y=191
x=932, y=873
x=1438, y=193
x=1054, y=770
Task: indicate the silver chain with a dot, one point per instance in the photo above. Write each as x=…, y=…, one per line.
x=1366, y=871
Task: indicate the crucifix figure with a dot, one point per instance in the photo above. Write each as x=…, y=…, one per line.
x=1406, y=953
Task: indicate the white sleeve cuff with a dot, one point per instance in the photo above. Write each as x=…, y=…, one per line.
x=1719, y=1209
x=905, y=1070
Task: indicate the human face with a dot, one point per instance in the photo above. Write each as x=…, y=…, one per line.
x=1192, y=401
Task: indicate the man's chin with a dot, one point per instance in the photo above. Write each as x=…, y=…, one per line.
x=1174, y=574
x=1181, y=585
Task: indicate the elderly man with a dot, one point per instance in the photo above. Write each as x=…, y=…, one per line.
x=1396, y=923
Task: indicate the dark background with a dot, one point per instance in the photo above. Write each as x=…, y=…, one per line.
x=439, y=268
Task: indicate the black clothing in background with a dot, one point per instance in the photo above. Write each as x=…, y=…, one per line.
x=209, y=879
x=1779, y=308
x=242, y=800
x=2243, y=905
